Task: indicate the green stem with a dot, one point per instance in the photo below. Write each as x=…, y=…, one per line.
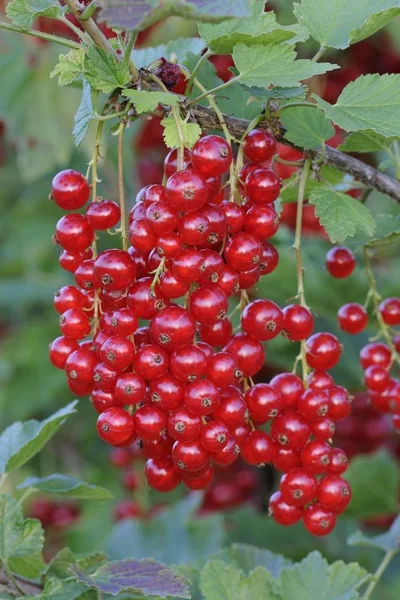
x=296, y=104
x=318, y=55
x=78, y=32
x=121, y=188
x=376, y=298
x=218, y=88
x=127, y=56
x=378, y=573
x=299, y=264
x=43, y=36
x=26, y=495
x=192, y=77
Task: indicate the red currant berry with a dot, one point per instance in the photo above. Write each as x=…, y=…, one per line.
x=74, y=233
x=141, y=237
x=150, y=422
x=189, y=456
x=248, y=352
x=240, y=433
x=167, y=392
x=228, y=455
x=259, y=145
x=202, y=397
x=201, y=482
x=170, y=286
x=171, y=161
x=214, y=436
x=229, y=280
x=262, y=186
x=376, y=378
x=259, y=449
x=161, y=474
x=143, y=300
x=353, y=318
x=290, y=387
x=172, y=328
x=334, y=493
x=102, y=400
x=339, y=402
x=323, y=351
x=188, y=265
x=290, y=429
x=390, y=311
x=130, y=388
x=114, y=270
x=183, y=425
x=298, y=322
x=208, y=304
x=78, y=388
x=298, y=487
x=159, y=448
x=211, y=156
x=286, y=459
x=323, y=429
x=261, y=221
x=60, y=349
x=222, y=369
x=151, y=362
x=68, y=297
x=232, y=411
x=339, y=461
x=318, y=520
x=313, y=404
x=150, y=194
x=70, y=190
x=375, y=353
x=115, y=425
x=283, y=513
x=187, y=190
x=103, y=215
x=216, y=334
x=70, y=261
x=262, y=319
x=161, y=218
x=169, y=245
x=75, y=324
x=264, y=402
x=84, y=275
x=234, y=214
x=243, y=251
x=316, y=457
x=319, y=380
x=269, y=259
x=340, y=262
x=105, y=378
x=187, y=364
x=117, y=352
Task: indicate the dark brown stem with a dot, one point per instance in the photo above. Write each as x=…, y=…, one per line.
x=371, y=177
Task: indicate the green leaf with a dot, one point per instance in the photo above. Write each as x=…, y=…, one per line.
x=30, y=566
x=277, y=92
x=259, y=28
x=387, y=232
x=190, y=132
x=220, y=581
x=378, y=499
x=66, y=487
x=56, y=589
x=341, y=214
x=60, y=564
x=85, y=114
x=176, y=531
x=144, y=577
x=248, y=557
x=388, y=541
x=148, y=101
x=143, y=57
x=103, y=72
x=271, y=64
x=69, y=66
x=314, y=579
x=307, y=126
x=21, y=441
x=140, y=14
x=369, y=102
x=19, y=538
x=339, y=23
x=366, y=141
x=290, y=190
x=23, y=12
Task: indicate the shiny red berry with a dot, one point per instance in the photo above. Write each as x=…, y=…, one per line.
x=161, y=474
x=334, y=493
x=262, y=186
x=190, y=456
x=216, y=334
x=259, y=145
x=290, y=387
x=114, y=270
x=290, y=429
x=183, y=425
x=74, y=233
x=298, y=322
x=187, y=190
x=103, y=215
x=283, y=513
x=390, y=311
x=261, y=221
x=316, y=456
x=353, y=318
x=70, y=190
x=117, y=352
x=60, y=349
x=130, y=388
x=151, y=362
x=258, y=449
x=211, y=156
x=314, y=404
x=214, y=436
x=202, y=397
x=150, y=422
x=248, y=352
x=172, y=328
x=115, y=425
x=243, y=251
x=323, y=351
x=262, y=319
x=75, y=324
x=208, y=304
x=264, y=402
x=298, y=487
x=318, y=520
x=375, y=353
x=340, y=262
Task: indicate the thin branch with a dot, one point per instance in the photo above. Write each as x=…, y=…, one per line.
x=89, y=26
x=41, y=35
x=371, y=177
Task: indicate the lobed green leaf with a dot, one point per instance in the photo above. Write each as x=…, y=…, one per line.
x=66, y=487
x=190, y=132
x=145, y=101
x=23, y=12
x=306, y=126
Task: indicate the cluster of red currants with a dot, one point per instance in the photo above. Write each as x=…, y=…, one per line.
x=376, y=358
x=181, y=385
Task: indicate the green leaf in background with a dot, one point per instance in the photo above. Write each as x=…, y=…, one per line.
x=190, y=132
x=175, y=532
x=84, y=115
x=181, y=47
x=21, y=441
x=307, y=126
x=388, y=541
x=145, y=577
x=66, y=487
x=277, y=92
x=370, y=102
x=265, y=65
x=289, y=192
x=220, y=581
x=56, y=589
x=381, y=498
x=314, y=579
x=387, y=232
x=259, y=28
x=69, y=66
x=247, y=557
x=148, y=101
x=339, y=23
x=341, y=214
x=23, y=12
x=59, y=566
x=140, y=14
x=18, y=537
x=103, y=72
x=366, y=141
